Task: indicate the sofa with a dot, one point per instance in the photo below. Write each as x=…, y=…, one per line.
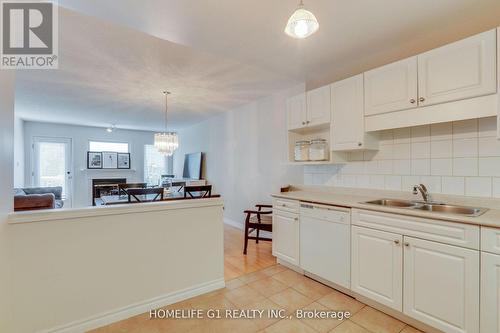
x=35, y=198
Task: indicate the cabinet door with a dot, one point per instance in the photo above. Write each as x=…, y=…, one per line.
x=460, y=70
x=441, y=285
x=376, y=266
x=286, y=236
x=348, y=128
x=392, y=87
x=490, y=293
x=318, y=106
x=319, y=239
x=296, y=111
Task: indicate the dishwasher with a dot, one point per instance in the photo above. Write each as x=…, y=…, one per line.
x=324, y=241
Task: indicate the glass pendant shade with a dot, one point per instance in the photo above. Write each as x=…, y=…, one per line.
x=166, y=143
x=302, y=23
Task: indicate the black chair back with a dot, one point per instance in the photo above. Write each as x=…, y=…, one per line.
x=150, y=194
x=203, y=191
x=123, y=188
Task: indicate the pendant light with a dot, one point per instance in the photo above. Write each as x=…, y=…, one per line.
x=166, y=142
x=302, y=23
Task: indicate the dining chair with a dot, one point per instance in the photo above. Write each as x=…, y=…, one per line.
x=257, y=220
x=136, y=194
x=202, y=191
x=123, y=188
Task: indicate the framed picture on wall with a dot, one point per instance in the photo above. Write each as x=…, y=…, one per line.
x=109, y=160
x=94, y=160
x=123, y=160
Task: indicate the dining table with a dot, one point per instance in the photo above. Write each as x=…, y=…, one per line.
x=123, y=199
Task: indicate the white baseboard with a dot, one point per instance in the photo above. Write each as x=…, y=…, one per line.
x=136, y=309
x=233, y=223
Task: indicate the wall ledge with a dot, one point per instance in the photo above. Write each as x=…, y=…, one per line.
x=75, y=213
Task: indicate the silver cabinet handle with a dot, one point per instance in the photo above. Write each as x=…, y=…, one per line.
x=296, y=219
x=421, y=99
x=396, y=241
x=412, y=101
x=303, y=123
x=360, y=144
x=307, y=122
x=407, y=244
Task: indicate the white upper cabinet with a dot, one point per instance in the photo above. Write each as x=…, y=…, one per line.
x=318, y=106
x=296, y=111
x=391, y=87
x=459, y=70
x=309, y=109
x=347, y=128
x=377, y=266
x=441, y=285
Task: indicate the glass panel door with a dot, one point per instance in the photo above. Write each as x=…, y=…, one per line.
x=52, y=165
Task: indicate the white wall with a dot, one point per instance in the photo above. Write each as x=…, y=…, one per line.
x=7, y=86
x=19, y=168
x=459, y=158
x=245, y=152
x=83, y=268
x=80, y=136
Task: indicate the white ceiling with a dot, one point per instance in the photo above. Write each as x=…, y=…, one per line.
x=235, y=51
x=110, y=74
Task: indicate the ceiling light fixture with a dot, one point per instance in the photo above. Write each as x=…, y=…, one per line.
x=166, y=142
x=302, y=23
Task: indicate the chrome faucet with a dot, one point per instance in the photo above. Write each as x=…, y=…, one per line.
x=423, y=190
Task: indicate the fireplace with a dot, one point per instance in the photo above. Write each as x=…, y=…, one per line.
x=105, y=186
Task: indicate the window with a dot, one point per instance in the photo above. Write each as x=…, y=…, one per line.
x=118, y=147
x=155, y=165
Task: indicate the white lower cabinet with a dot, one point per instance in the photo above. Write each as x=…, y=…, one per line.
x=441, y=285
x=286, y=236
x=376, y=266
x=490, y=293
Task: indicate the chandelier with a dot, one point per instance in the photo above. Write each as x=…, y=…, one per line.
x=166, y=142
x=302, y=23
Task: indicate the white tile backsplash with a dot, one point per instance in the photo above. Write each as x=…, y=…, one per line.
x=478, y=186
x=459, y=158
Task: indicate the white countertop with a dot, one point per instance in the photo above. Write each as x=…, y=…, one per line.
x=354, y=198
x=72, y=213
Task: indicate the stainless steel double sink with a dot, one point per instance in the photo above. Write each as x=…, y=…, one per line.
x=435, y=207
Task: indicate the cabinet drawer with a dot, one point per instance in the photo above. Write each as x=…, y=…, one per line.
x=286, y=205
x=464, y=235
x=490, y=240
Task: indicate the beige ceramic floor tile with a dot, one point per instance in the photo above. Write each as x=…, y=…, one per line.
x=234, y=283
x=266, y=319
x=409, y=329
x=274, y=269
x=341, y=302
x=243, y=295
x=376, y=321
x=289, y=277
x=290, y=299
x=312, y=289
x=268, y=286
x=320, y=325
x=253, y=277
x=349, y=327
x=289, y=326
x=215, y=302
x=225, y=326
